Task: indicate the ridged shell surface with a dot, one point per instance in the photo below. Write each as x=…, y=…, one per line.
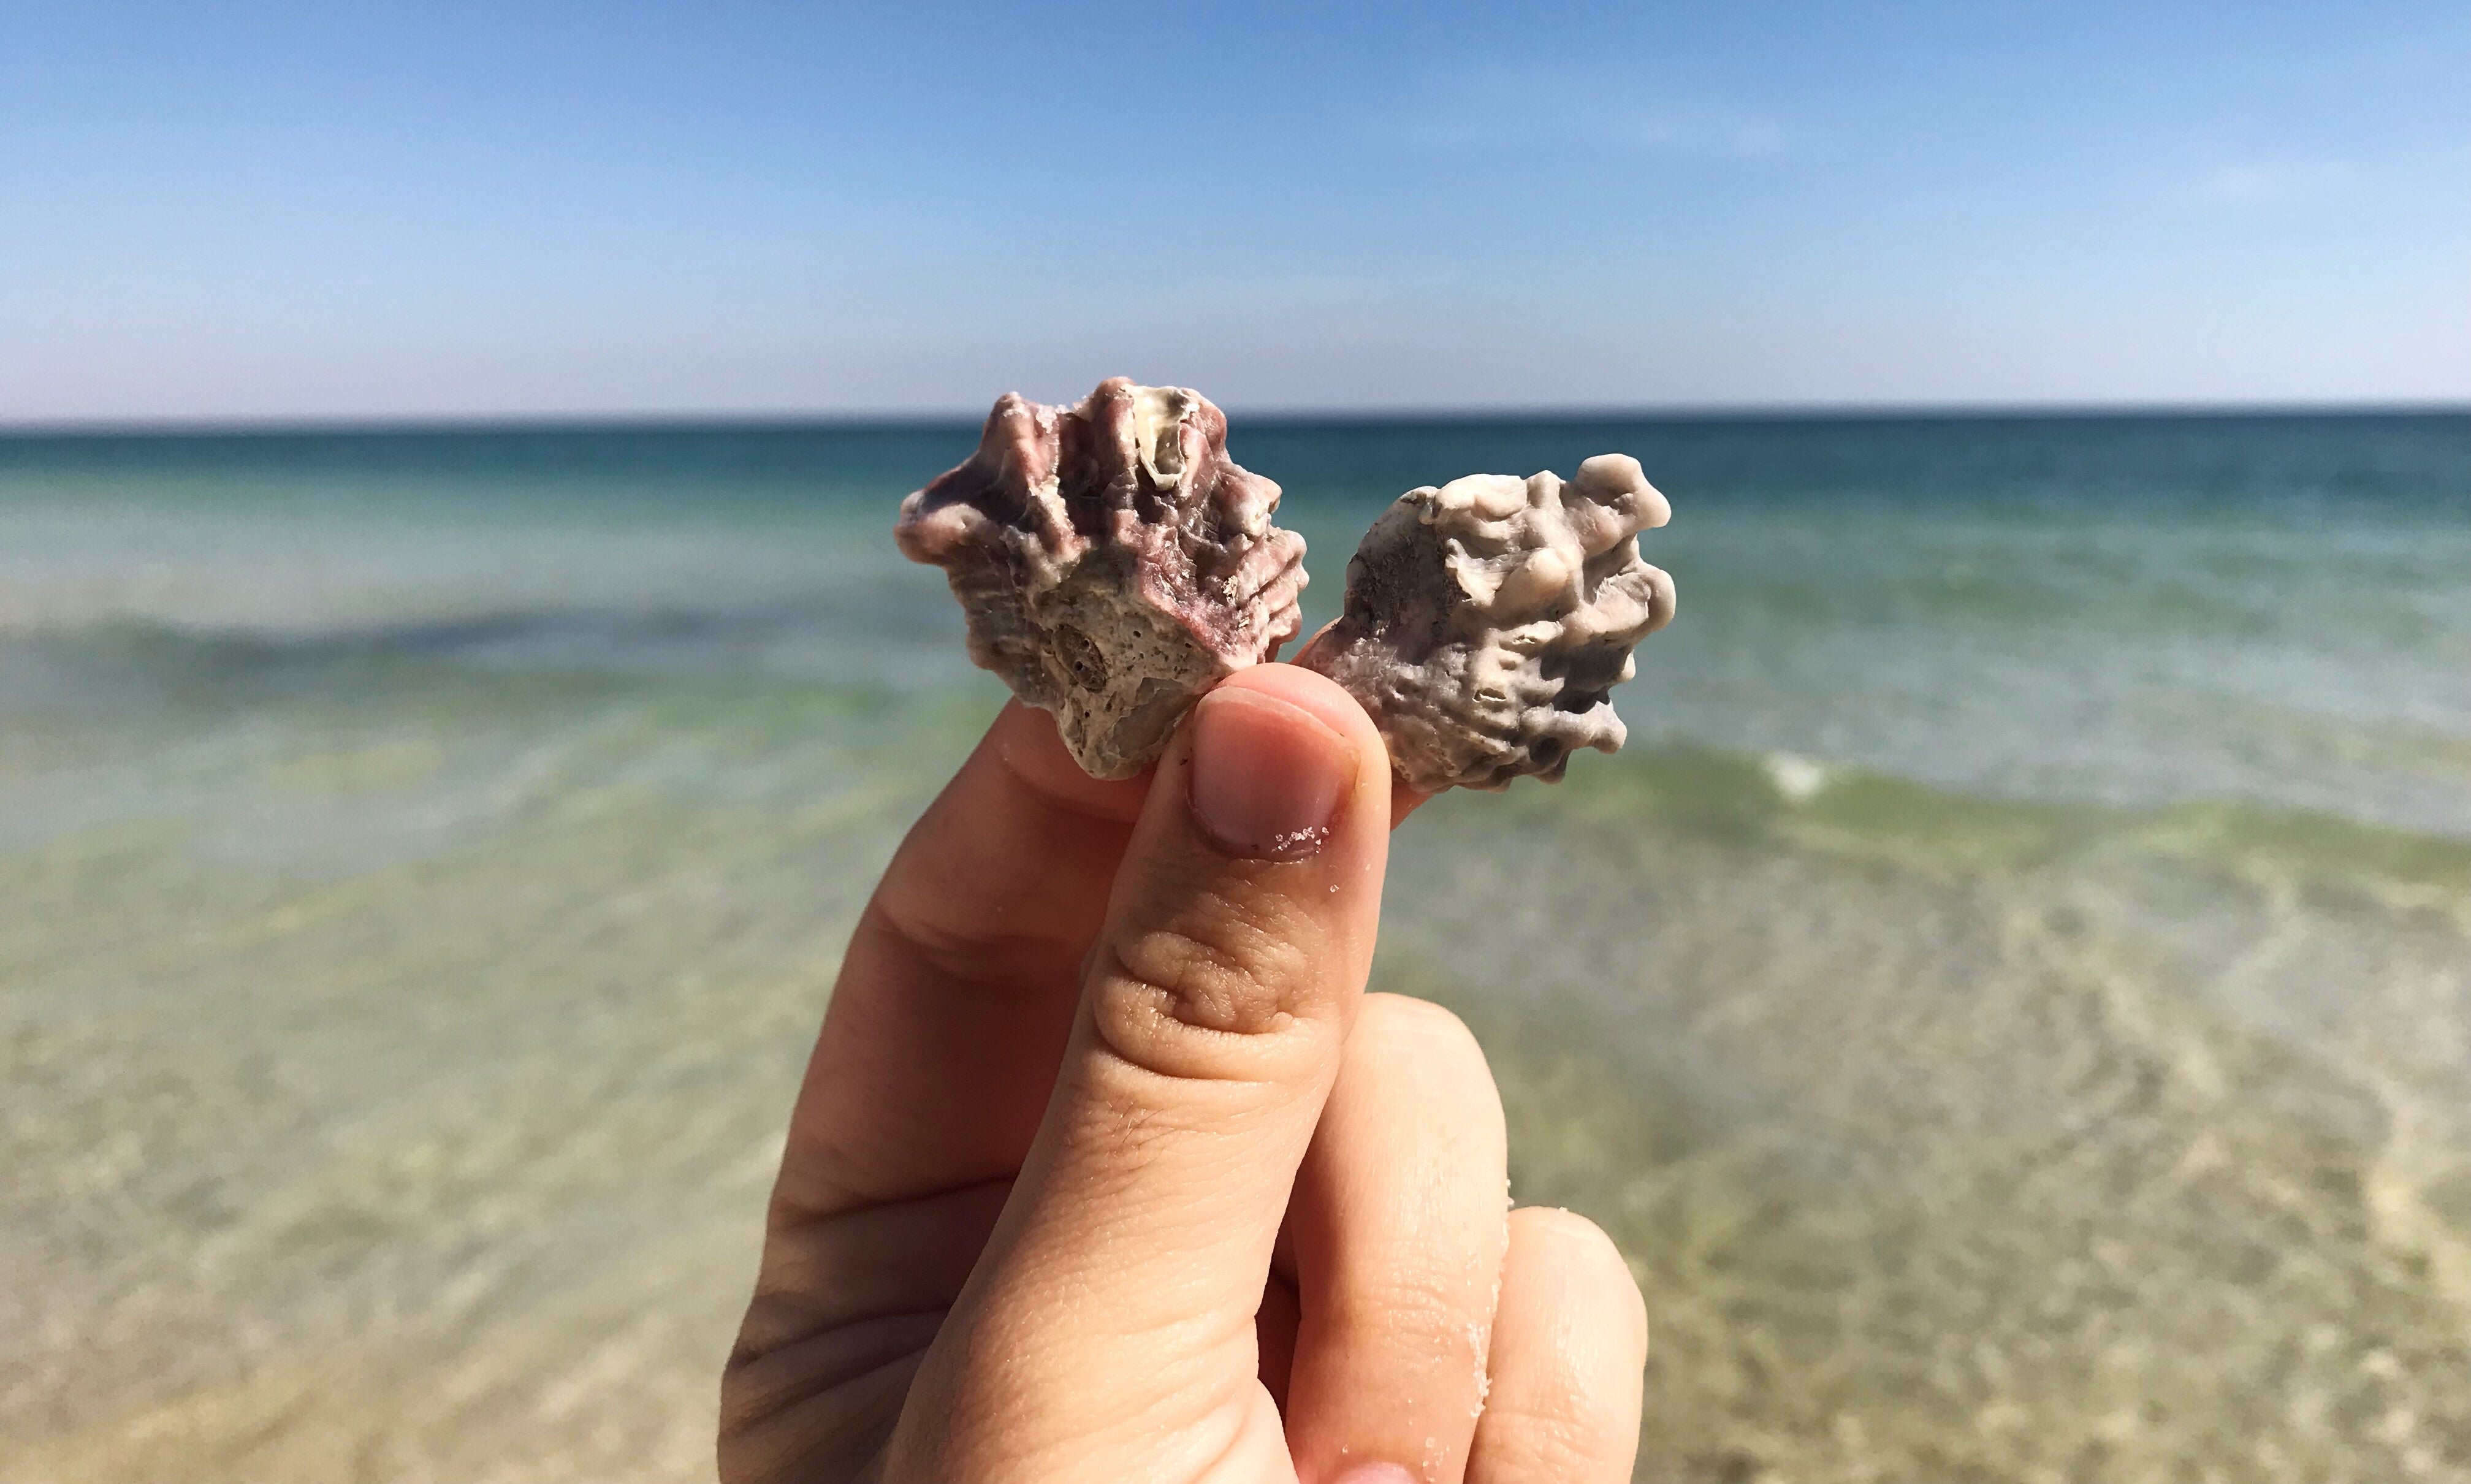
x=1487, y=620
x=1113, y=562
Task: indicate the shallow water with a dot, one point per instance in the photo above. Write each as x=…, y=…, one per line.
x=2013, y=1000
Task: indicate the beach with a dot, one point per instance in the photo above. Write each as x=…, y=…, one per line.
x=2010, y=999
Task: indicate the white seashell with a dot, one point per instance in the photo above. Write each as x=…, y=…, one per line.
x=1487, y=619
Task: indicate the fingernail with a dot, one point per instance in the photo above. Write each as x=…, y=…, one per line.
x=1266, y=776
x=1376, y=1473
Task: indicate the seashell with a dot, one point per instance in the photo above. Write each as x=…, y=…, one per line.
x=1488, y=620
x=1113, y=561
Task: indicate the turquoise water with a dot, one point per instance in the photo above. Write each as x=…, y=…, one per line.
x=2012, y=999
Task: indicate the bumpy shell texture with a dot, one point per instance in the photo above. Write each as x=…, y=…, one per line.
x=1485, y=620
x=1114, y=563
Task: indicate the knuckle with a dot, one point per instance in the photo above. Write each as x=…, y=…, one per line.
x=1231, y=971
x=1424, y=1313
x=1219, y=989
x=964, y=951
x=1548, y=1441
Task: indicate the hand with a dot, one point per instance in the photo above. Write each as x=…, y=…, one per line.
x=1106, y=1170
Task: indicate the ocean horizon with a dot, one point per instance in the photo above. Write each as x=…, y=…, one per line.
x=1371, y=414
x=2010, y=999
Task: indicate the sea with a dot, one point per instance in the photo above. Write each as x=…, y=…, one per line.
x=2010, y=999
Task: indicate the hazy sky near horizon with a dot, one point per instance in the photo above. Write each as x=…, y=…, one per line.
x=330, y=210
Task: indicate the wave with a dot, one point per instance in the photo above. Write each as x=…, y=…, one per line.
x=827, y=639
x=1787, y=799
x=1958, y=1136
x=1669, y=781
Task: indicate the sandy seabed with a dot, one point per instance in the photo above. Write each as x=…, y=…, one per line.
x=2012, y=1000
x=400, y=1102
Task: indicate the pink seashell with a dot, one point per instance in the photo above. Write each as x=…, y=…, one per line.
x=1113, y=561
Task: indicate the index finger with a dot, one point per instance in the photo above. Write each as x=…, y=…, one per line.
x=956, y=991
x=949, y=1018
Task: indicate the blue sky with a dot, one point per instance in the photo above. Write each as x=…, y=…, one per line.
x=335, y=210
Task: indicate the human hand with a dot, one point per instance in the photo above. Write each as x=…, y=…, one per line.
x=1105, y=1168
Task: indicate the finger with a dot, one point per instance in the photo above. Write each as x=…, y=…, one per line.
x=957, y=992
x=1113, y=1315
x=1569, y=1349
x=842, y=1311
x=954, y=997
x=1398, y=1227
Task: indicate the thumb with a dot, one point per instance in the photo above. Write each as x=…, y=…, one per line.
x=1107, y=1332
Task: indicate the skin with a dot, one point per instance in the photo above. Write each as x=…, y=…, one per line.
x=1107, y=1168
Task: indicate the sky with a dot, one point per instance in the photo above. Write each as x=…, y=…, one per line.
x=256, y=212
